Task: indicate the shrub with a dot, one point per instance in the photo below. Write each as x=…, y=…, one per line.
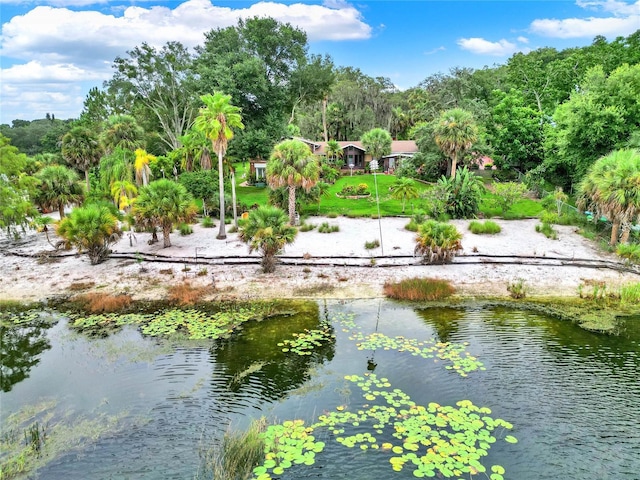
x=419, y=289
x=487, y=227
x=508, y=193
x=307, y=227
x=207, y=222
x=458, y=197
x=630, y=251
x=517, y=289
x=438, y=242
x=630, y=294
x=186, y=294
x=332, y=215
x=326, y=228
x=103, y=302
x=412, y=226
x=372, y=244
x=547, y=230
x=185, y=229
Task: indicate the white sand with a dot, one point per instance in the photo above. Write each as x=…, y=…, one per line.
x=353, y=274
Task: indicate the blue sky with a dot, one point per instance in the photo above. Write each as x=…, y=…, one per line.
x=52, y=52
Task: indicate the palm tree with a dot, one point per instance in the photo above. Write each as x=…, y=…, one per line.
x=123, y=193
x=59, y=187
x=164, y=203
x=217, y=120
x=141, y=165
x=455, y=131
x=334, y=152
x=81, y=148
x=93, y=228
x=267, y=231
x=377, y=142
x=122, y=131
x=438, y=242
x=611, y=188
x=404, y=188
x=292, y=164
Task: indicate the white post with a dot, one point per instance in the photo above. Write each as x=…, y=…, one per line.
x=373, y=165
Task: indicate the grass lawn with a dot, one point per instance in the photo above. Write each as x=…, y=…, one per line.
x=364, y=207
x=521, y=209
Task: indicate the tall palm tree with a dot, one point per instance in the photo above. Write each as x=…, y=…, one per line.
x=59, y=186
x=455, y=131
x=164, y=203
x=217, y=120
x=611, y=188
x=293, y=165
x=267, y=231
x=81, y=148
x=404, y=188
x=92, y=228
x=141, y=165
x=377, y=142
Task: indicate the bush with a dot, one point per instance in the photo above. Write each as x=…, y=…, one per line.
x=326, y=228
x=547, y=230
x=103, y=302
x=438, y=242
x=186, y=294
x=372, y=244
x=630, y=251
x=508, y=193
x=458, y=197
x=332, y=215
x=487, y=227
x=185, y=229
x=307, y=227
x=207, y=222
x=419, y=289
x=517, y=289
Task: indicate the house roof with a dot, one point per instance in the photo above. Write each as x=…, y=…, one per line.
x=398, y=147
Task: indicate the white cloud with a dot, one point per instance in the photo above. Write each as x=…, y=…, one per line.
x=621, y=18
x=481, y=46
x=586, y=27
x=435, y=50
x=50, y=44
x=523, y=39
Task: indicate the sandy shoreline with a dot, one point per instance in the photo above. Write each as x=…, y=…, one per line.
x=334, y=265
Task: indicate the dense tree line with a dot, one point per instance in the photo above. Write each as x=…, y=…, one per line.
x=548, y=112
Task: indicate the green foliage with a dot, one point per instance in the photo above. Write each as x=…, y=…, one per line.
x=372, y=244
x=486, y=227
x=305, y=342
x=207, y=222
x=201, y=184
x=326, y=228
x=508, y=193
x=458, y=197
x=517, y=289
x=92, y=229
x=163, y=203
x=419, y=289
x=404, y=189
x=362, y=189
x=185, y=229
x=547, y=230
x=630, y=294
x=377, y=143
x=267, y=231
x=630, y=251
x=307, y=227
x=59, y=186
x=455, y=132
x=437, y=242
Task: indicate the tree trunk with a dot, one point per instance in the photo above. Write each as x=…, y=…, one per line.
x=614, y=233
x=222, y=233
x=292, y=205
x=233, y=198
x=166, y=230
x=61, y=209
x=86, y=178
x=324, y=118
x=626, y=231
x=454, y=166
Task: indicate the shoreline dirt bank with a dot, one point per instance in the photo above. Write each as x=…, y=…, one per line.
x=317, y=265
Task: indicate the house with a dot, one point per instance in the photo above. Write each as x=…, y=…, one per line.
x=353, y=153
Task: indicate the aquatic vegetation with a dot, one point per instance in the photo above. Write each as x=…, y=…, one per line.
x=419, y=289
x=432, y=440
x=461, y=361
x=194, y=324
x=303, y=343
x=38, y=434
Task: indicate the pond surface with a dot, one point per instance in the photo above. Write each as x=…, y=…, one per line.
x=148, y=409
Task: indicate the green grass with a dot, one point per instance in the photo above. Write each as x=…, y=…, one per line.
x=630, y=294
x=525, y=208
x=486, y=227
x=419, y=289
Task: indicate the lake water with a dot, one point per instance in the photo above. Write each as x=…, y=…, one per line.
x=128, y=407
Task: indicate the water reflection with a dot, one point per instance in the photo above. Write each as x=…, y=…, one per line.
x=445, y=321
x=20, y=349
